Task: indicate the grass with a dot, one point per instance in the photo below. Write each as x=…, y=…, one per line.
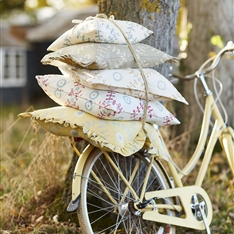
x=32, y=161
x=33, y=168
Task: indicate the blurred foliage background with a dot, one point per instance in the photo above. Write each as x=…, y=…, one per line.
x=10, y=6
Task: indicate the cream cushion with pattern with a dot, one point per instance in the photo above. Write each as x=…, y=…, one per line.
x=124, y=137
x=101, y=30
x=103, y=56
x=105, y=104
x=127, y=81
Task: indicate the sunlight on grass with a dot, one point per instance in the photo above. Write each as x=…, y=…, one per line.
x=31, y=160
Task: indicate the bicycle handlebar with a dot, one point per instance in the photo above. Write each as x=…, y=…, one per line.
x=228, y=48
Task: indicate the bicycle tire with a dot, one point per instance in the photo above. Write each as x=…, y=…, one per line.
x=95, y=212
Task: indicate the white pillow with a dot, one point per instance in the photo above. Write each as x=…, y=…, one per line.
x=103, y=56
x=101, y=30
x=127, y=81
x=103, y=104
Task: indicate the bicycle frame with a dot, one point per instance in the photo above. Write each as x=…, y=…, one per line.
x=219, y=131
x=226, y=136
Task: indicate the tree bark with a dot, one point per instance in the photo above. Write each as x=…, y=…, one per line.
x=157, y=15
x=62, y=200
x=208, y=18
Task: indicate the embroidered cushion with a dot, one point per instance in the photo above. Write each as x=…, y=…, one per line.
x=127, y=81
x=103, y=103
x=124, y=137
x=101, y=30
x=106, y=56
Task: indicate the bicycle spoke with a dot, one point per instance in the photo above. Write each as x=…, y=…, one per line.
x=107, y=200
x=109, y=228
x=100, y=217
x=109, y=187
x=136, y=180
x=107, y=172
x=99, y=208
x=92, y=193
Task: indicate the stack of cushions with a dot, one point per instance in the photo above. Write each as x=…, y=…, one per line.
x=101, y=90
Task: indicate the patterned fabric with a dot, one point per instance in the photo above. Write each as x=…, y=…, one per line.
x=101, y=30
x=105, y=104
x=102, y=56
x=92, y=100
x=124, y=137
x=127, y=81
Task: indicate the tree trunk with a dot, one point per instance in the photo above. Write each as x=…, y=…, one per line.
x=158, y=16
x=62, y=200
x=208, y=18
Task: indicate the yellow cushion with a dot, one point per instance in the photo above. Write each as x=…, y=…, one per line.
x=124, y=137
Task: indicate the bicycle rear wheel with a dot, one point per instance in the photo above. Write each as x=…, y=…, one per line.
x=98, y=214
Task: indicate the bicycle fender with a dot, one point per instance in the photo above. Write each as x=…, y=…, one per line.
x=77, y=176
x=226, y=141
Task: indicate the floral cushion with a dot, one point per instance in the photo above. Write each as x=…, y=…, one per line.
x=106, y=56
x=103, y=103
x=124, y=137
x=101, y=30
x=127, y=81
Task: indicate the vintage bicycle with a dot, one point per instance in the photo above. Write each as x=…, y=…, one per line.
x=136, y=194
x=144, y=192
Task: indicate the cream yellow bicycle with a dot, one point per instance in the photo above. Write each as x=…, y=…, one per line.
x=143, y=192
x=136, y=194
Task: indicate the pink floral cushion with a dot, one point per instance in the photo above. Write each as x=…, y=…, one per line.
x=103, y=104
